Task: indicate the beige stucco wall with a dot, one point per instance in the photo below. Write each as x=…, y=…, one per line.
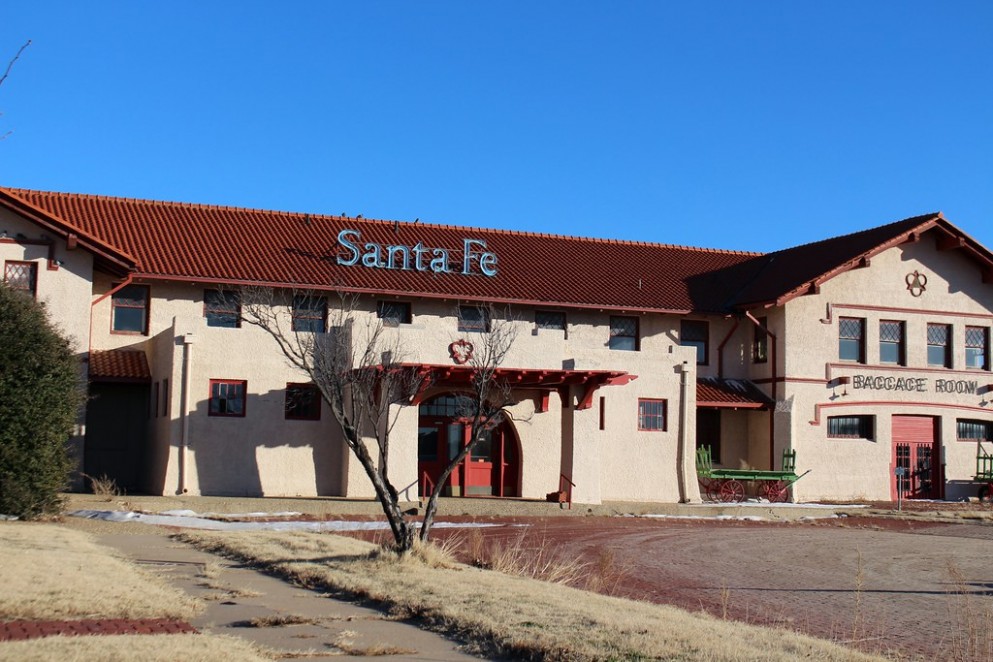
x=858, y=468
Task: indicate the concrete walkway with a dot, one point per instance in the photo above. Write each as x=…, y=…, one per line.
x=325, y=628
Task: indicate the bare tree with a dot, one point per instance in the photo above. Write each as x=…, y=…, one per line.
x=10, y=65
x=362, y=373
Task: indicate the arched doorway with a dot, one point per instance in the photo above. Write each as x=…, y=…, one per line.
x=492, y=468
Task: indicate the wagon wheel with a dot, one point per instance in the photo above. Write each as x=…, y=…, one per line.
x=732, y=491
x=986, y=495
x=775, y=491
x=710, y=488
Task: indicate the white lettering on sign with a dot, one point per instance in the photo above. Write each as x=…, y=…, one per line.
x=913, y=384
x=475, y=258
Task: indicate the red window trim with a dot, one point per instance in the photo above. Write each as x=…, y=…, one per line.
x=665, y=415
x=34, y=275
x=317, y=395
x=244, y=398
x=147, y=308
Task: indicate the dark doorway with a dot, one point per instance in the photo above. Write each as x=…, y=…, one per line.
x=708, y=432
x=117, y=434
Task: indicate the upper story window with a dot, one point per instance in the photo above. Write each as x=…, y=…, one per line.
x=21, y=276
x=474, y=319
x=970, y=430
x=303, y=402
x=760, y=341
x=623, y=333
x=549, y=319
x=851, y=339
x=850, y=427
x=310, y=313
x=129, y=310
x=977, y=347
x=651, y=414
x=939, y=345
x=222, y=308
x=892, y=345
x=227, y=397
x=393, y=313
x=696, y=333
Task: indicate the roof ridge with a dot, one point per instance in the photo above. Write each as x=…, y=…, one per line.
x=418, y=223
x=924, y=219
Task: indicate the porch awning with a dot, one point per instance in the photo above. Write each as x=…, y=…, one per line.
x=549, y=380
x=730, y=394
x=119, y=365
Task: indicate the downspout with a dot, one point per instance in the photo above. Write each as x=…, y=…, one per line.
x=185, y=412
x=774, y=376
x=720, y=349
x=681, y=448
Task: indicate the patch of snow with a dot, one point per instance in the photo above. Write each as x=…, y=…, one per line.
x=196, y=522
x=191, y=513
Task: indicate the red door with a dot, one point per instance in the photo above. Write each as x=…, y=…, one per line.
x=916, y=451
x=490, y=469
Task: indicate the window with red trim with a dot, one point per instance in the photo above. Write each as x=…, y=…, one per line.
x=309, y=314
x=303, y=402
x=651, y=414
x=227, y=397
x=129, y=310
x=21, y=276
x=851, y=427
x=977, y=347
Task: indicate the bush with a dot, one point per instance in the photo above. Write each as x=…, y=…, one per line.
x=40, y=397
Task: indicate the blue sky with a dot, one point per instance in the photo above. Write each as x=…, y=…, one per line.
x=742, y=125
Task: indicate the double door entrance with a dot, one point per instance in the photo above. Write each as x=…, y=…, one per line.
x=492, y=468
x=916, y=452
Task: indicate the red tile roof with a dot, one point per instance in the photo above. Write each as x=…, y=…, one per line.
x=119, y=365
x=211, y=244
x=730, y=393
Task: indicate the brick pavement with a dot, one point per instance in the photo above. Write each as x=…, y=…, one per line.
x=19, y=630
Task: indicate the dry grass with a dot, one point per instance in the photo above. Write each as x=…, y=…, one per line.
x=50, y=572
x=973, y=638
x=125, y=648
x=515, y=616
x=277, y=621
x=104, y=486
x=346, y=644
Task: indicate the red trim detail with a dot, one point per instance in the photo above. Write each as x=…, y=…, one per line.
x=889, y=403
x=665, y=415
x=716, y=404
x=831, y=307
x=461, y=351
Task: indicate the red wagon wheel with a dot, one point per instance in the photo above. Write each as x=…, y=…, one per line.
x=776, y=491
x=710, y=488
x=732, y=491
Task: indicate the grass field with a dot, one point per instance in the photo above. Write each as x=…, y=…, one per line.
x=515, y=617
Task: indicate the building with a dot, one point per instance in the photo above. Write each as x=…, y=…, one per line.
x=863, y=353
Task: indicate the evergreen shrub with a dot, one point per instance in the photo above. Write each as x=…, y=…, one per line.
x=40, y=396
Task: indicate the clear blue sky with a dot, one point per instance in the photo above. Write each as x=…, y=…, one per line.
x=743, y=125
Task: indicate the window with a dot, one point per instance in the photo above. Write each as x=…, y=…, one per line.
x=549, y=319
x=222, y=308
x=623, y=333
x=851, y=339
x=165, y=397
x=891, y=343
x=309, y=313
x=129, y=310
x=393, y=313
x=21, y=276
x=303, y=402
x=651, y=414
x=968, y=430
x=227, y=397
x=760, y=341
x=850, y=427
x=939, y=345
x=693, y=333
x=474, y=319
x=977, y=343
